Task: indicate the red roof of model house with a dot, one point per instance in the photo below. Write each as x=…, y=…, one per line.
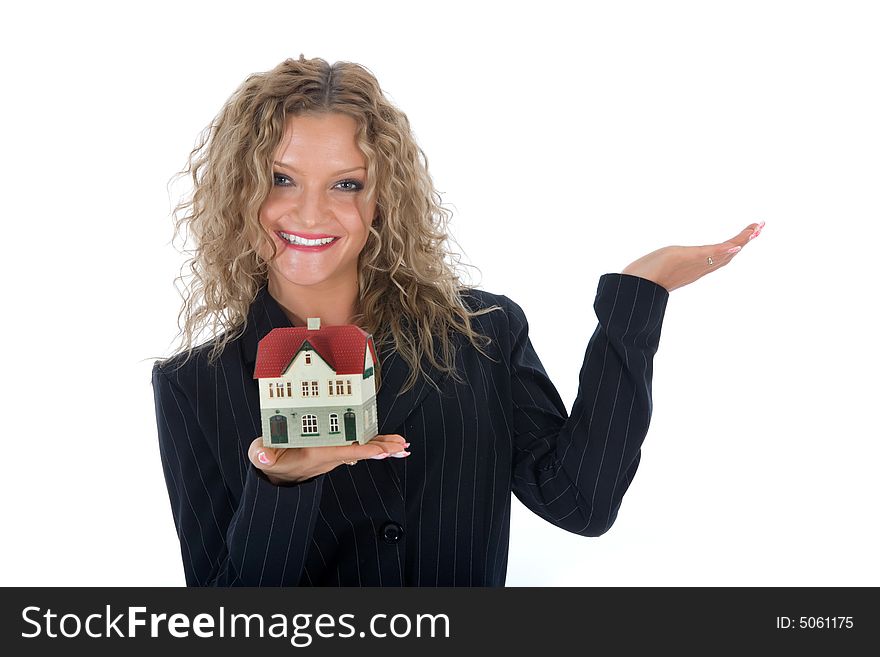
x=342, y=347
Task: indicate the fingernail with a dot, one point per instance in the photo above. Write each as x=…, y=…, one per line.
x=400, y=455
x=734, y=249
x=379, y=457
x=406, y=444
x=262, y=458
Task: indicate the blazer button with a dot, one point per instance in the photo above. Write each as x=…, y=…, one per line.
x=391, y=532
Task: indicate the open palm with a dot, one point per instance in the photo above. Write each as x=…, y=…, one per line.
x=676, y=266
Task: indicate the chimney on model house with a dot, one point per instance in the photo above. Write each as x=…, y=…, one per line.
x=314, y=323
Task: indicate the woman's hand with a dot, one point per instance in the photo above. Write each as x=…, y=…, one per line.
x=677, y=266
x=292, y=464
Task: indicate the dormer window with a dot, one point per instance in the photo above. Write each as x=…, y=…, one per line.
x=308, y=358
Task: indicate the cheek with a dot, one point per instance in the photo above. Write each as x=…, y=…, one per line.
x=353, y=217
x=269, y=211
x=367, y=213
x=265, y=248
x=265, y=235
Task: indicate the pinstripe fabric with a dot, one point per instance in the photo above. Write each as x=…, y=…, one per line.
x=504, y=431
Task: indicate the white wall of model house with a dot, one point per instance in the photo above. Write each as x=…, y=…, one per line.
x=311, y=387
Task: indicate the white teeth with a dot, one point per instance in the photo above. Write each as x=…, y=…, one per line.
x=293, y=239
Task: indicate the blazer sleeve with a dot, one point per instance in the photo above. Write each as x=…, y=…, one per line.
x=260, y=539
x=573, y=471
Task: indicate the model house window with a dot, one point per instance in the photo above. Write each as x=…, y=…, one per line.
x=341, y=387
x=305, y=388
x=271, y=390
x=310, y=424
x=330, y=387
x=289, y=390
x=308, y=358
x=349, y=386
x=314, y=388
x=334, y=423
x=279, y=390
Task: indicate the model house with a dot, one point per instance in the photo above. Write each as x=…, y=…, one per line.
x=317, y=385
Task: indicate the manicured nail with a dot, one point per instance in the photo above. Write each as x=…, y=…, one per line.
x=262, y=458
x=400, y=455
x=379, y=457
x=734, y=249
x=406, y=444
x=757, y=231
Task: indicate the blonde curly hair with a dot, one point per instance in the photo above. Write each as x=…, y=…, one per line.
x=408, y=284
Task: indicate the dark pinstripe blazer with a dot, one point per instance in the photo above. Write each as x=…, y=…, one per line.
x=441, y=516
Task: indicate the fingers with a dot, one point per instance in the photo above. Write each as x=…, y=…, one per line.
x=757, y=230
x=749, y=233
x=388, y=438
x=717, y=256
x=721, y=254
x=380, y=447
x=383, y=446
x=262, y=457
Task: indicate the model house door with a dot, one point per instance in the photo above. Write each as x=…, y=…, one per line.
x=278, y=429
x=350, y=426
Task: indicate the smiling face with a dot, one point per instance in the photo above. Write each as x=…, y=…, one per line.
x=317, y=211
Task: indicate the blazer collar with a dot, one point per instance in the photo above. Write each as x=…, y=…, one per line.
x=392, y=405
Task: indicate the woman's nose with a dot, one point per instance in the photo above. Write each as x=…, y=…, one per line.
x=313, y=206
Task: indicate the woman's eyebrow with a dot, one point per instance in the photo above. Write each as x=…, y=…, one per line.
x=295, y=170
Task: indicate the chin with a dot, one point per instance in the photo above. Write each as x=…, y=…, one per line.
x=301, y=279
x=305, y=277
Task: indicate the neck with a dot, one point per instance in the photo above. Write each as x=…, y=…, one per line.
x=335, y=305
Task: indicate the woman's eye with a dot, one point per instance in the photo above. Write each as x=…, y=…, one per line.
x=351, y=185
x=281, y=180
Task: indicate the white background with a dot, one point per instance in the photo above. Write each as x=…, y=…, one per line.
x=569, y=139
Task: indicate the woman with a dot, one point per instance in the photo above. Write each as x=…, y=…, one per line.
x=312, y=199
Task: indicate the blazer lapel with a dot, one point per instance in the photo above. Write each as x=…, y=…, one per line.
x=393, y=406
